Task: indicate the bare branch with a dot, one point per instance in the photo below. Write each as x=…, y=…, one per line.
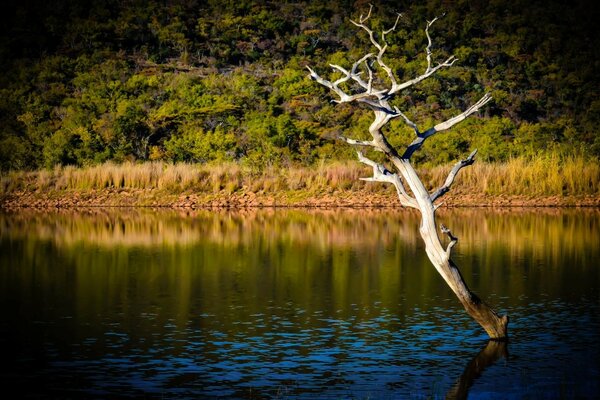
x=418, y=142
x=429, y=70
x=344, y=78
x=370, y=84
x=382, y=174
x=334, y=86
x=429, y=44
x=368, y=30
x=378, y=105
x=314, y=76
x=393, y=28
x=383, y=114
x=384, y=66
x=449, y=61
x=462, y=116
x=356, y=75
x=450, y=179
x=382, y=47
x=453, y=239
x=408, y=121
x=368, y=15
x=358, y=142
x=358, y=96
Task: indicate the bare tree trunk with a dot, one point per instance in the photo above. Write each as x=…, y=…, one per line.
x=495, y=326
x=377, y=99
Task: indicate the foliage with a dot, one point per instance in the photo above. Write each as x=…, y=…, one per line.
x=86, y=82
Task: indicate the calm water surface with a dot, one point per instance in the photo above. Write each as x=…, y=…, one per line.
x=295, y=304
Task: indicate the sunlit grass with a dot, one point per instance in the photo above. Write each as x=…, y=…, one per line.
x=549, y=176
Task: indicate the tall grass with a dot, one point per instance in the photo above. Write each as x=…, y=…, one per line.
x=550, y=175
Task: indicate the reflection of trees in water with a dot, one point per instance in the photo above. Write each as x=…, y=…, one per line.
x=558, y=230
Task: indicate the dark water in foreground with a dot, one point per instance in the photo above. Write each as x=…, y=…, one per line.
x=295, y=304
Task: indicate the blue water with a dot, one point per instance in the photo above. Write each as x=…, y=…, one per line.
x=279, y=315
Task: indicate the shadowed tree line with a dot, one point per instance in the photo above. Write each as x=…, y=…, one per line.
x=85, y=82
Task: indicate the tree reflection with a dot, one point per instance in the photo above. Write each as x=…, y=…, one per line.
x=492, y=352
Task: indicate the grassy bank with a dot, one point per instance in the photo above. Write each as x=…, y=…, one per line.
x=549, y=175
x=158, y=183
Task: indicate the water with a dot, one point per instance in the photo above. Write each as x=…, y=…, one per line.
x=288, y=304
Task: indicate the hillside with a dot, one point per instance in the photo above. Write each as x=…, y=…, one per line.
x=87, y=82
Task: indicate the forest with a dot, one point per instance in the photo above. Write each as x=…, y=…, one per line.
x=89, y=82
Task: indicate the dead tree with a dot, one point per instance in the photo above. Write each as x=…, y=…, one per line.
x=354, y=86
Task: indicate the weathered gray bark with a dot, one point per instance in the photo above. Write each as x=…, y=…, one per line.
x=495, y=326
x=419, y=197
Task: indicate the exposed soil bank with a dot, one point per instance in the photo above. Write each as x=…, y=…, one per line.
x=241, y=199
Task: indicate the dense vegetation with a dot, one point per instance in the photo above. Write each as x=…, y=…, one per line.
x=86, y=82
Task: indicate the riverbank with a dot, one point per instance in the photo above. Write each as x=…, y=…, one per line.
x=348, y=198
x=517, y=183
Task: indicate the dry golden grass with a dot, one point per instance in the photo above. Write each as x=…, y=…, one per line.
x=550, y=175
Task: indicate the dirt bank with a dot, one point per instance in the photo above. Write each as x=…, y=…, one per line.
x=241, y=199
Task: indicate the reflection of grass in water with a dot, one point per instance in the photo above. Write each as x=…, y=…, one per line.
x=537, y=232
x=146, y=227
x=548, y=175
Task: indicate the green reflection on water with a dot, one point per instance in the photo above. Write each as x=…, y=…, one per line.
x=212, y=261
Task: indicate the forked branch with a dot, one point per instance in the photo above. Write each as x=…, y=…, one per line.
x=452, y=175
x=430, y=70
x=462, y=116
x=335, y=86
x=354, y=142
x=421, y=137
x=453, y=239
x=381, y=47
x=429, y=44
x=382, y=174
